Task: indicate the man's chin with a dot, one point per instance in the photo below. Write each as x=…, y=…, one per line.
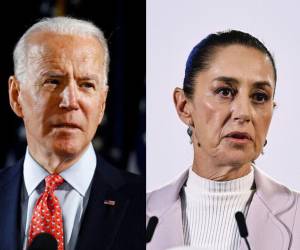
x=67, y=149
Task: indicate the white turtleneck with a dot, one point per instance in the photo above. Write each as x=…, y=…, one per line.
x=209, y=208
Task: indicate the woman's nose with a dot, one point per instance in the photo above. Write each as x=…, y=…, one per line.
x=241, y=109
x=69, y=97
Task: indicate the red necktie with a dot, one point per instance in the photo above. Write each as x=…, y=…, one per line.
x=47, y=214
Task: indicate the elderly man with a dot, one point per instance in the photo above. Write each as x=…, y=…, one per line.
x=61, y=187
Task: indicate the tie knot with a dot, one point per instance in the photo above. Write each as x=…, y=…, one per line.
x=53, y=181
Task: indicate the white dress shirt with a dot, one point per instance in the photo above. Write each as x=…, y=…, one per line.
x=73, y=194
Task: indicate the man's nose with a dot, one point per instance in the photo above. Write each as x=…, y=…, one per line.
x=242, y=109
x=69, y=97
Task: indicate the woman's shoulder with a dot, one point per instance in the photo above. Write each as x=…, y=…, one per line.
x=270, y=186
x=279, y=198
x=165, y=196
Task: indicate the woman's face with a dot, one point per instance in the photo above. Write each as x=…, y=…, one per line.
x=232, y=105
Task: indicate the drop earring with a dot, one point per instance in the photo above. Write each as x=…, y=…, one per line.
x=265, y=144
x=190, y=133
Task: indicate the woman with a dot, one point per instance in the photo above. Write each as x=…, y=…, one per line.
x=227, y=102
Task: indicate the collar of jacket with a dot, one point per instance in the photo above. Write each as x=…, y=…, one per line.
x=268, y=223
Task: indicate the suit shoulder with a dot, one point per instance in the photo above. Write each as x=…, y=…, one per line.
x=120, y=178
x=130, y=178
x=9, y=173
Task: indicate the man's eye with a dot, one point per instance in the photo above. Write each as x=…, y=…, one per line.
x=260, y=97
x=52, y=81
x=225, y=92
x=87, y=85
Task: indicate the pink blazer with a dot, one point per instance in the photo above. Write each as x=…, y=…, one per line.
x=273, y=218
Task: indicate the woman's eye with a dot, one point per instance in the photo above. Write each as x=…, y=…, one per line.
x=225, y=92
x=260, y=97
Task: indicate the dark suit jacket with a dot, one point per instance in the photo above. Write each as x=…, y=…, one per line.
x=106, y=227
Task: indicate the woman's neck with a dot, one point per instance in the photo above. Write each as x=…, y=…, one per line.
x=220, y=171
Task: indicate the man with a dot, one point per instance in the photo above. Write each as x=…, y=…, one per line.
x=61, y=187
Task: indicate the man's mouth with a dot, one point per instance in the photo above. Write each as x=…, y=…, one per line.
x=67, y=125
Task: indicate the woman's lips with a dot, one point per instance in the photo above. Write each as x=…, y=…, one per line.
x=239, y=137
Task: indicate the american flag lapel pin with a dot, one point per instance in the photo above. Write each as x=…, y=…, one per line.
x=109, y=202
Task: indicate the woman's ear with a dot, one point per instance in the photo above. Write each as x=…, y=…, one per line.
x=14, y=94
x=183, y=106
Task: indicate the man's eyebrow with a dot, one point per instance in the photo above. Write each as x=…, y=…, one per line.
x=53, y=74
x=60, y=75
x=89, y=77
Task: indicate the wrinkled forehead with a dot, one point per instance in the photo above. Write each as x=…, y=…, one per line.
x=43, y=45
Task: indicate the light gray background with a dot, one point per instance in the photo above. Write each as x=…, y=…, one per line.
x=173, y=28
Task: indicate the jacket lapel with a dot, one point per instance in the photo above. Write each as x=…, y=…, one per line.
x=169, y=231
x=266, y=231
x=166, y=205
x=10, y=193
x=104, y=212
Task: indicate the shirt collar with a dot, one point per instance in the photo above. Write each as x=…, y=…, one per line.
x=79, y=175
x=196, y=183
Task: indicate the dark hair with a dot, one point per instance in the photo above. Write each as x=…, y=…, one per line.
x=201, y=54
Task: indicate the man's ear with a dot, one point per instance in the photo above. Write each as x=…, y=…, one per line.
x=103, y=97
x=183, y=106
x=14, y=94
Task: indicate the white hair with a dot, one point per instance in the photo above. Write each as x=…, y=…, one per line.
x=60, y=25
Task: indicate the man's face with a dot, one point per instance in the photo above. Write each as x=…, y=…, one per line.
x=63, y=97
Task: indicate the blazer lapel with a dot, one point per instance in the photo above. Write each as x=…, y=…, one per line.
x=266, y=231
x=166, y=205
x=10, y=193
x=264, y=218
x=104, y=212
x=169, y=231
